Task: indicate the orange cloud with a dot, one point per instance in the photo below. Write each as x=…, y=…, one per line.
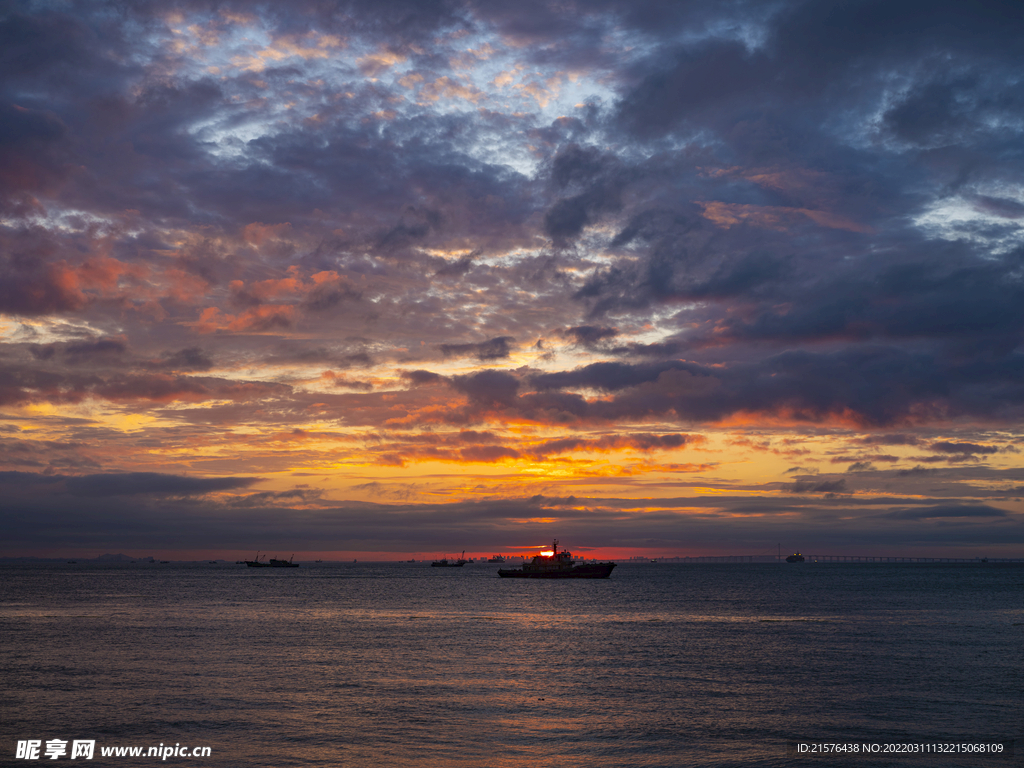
x=447, y=88
x=256, y=320
x=257, y=233
x=779, y=218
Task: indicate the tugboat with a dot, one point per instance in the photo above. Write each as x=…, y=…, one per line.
x=558, y=565
x=795, y=558
x=274, y=563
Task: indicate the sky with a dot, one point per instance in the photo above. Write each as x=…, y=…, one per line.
x=412, y=277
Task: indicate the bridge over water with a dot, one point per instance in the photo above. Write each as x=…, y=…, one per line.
x=826, y=559
x=881, y=559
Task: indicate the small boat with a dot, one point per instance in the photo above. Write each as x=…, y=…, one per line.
x=273, y=563
x=558, y=565
x=795, y=558
x=444, y=562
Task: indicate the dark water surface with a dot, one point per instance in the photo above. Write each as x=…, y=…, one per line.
x=400, y=664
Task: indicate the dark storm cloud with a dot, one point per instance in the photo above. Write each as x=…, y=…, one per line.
x=807, y=384
x=270, y=497
x=30, y=283
x=641, y=442
x=129, y=483
x=730, y=524
x=946, y=511
x=878, y=386
x=190, y=359
x=28, y=478
x=31, y=384
x=591, y=335
x=326, y=296
x=947, y=446
x=1010, y=209
x=765, y=103
x=590, y=184
x=336, y=358
x=422, y=377
x=456, y=268
x=488, y=387
x=813, y=486
x=31, y=156
x=811, y=50
x=106, y=348
x=133, y=483
x=890, y=439
x=607, y=376
x=498, y=348
x=413, y=199
x=917, y=471
x=946, y=301
x=148, y=135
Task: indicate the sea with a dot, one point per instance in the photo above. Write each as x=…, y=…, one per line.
x=401, y=664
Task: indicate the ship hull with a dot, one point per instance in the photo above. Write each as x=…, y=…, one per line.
x=587, y=571
x=271, y=564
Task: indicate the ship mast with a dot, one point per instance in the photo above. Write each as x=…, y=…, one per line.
x=554, y=548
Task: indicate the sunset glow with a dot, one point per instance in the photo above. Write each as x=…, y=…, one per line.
x=656, y=281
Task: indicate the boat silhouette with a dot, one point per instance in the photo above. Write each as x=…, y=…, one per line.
x=558, y=565
x=446, y=563
x=272, y=563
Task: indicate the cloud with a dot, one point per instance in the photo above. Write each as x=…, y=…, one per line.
x=861, y=466
x=947, y=511
x=190, y=359
x=498, y=348
x=489, y=388
x=917, y=471
x=559, y=244
x=825, y=486
x=947, y=446
x=131, y=483
x=591, y=335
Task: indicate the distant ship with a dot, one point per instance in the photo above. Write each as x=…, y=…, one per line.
x=446, y=563
x=273, y=563
x=795, y=558
x=496, y=559
x=558, y=565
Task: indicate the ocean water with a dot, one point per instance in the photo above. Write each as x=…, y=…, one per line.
x=400, y=664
